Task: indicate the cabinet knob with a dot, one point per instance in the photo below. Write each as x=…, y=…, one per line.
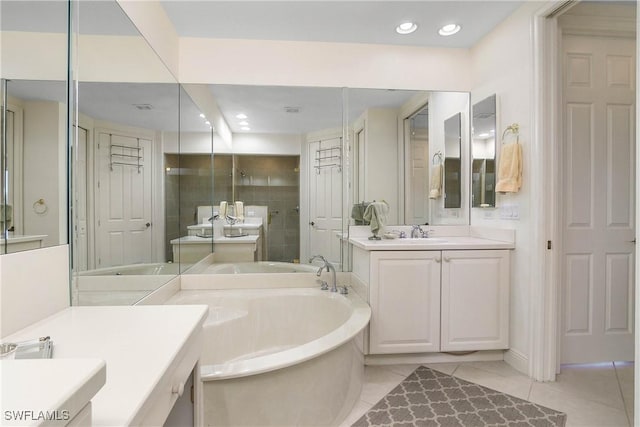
x=438, y=260
x=447, y=259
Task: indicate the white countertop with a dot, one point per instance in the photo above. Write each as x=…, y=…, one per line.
x=428, y=244
x=139, y=344
x=59, y=386
x=195, y=240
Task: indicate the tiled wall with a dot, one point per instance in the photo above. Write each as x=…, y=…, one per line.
x=272, y=181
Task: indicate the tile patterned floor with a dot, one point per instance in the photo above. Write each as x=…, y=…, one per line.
x=591, y=395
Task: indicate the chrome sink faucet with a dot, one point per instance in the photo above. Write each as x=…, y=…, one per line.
x=332, y=269
x=417, y=231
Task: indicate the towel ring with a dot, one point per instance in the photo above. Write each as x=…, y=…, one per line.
x=40, y=207
x=514, y=129
x=437, y=157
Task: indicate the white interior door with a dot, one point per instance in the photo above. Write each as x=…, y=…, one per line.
x=325, y=200
x=124, y=200
x=598, y=193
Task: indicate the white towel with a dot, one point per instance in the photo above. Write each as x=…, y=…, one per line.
x=376, y=214
x=223, y=210
x=435, y=187
x=510, y=169
x=239, y=208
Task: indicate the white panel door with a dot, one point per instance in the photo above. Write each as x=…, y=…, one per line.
x=325, y=200
x=405, y=302
x=598, y=194
x=124, y=200
x=475, y=300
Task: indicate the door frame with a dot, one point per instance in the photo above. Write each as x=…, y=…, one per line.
x=544, y=339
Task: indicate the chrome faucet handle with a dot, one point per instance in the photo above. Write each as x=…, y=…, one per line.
x=402, y=235
x=324, y=286
x=344, y=290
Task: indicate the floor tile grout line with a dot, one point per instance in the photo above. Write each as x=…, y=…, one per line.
x=624, y=402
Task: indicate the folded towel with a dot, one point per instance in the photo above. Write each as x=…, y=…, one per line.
x=510, y=169
x=223, y=210
x=435, y=187
x=376, y=214
x=239, y=210
x=357, y=213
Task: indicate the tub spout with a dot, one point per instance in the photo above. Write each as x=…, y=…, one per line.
x=329, y=267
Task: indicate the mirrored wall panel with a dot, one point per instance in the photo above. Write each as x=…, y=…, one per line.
x=483, y=152
x=402, y=153
x=277, y=179
x=128, y=108
x=33, y=129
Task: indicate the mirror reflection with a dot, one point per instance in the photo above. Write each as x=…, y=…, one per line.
x=33, y=129
x=483, y=152
x=127, y=109
x=452, y=166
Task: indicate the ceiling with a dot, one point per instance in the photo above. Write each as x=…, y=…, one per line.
x=339, y=21
x=329, y=21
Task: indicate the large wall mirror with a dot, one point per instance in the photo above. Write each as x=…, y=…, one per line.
x=483, y=152
x=402, y=153
x=277, y=181
x=127, y=109
x=33, y=207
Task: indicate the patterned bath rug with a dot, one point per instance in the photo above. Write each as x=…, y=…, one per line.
x=431, y=398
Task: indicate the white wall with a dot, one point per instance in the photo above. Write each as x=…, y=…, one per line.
x=502, y=63
x=45, y=169
x=33, y=285
x=250, y=143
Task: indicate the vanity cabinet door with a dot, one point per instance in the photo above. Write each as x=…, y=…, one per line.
x=475, y=300
x=405, y=302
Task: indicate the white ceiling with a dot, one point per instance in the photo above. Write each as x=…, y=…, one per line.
x=339, y=21
x=320, y=108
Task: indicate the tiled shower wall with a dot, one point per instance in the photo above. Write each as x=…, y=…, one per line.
x=272, y=181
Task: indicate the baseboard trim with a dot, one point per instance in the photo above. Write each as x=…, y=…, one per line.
x=517, y=361
x=396, y=359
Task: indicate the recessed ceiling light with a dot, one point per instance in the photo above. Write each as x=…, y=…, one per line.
x=245, y=128
x=241, y=116
x=483, y=135
x=449, y=29
x=244, y=123
x=202, y=115
x=208, y=122
x=406, y=28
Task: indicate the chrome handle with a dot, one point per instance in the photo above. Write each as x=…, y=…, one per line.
x=312, y=223
x=148, y=225
x=632, y=241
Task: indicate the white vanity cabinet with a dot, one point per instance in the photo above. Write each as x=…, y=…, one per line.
x=405, y=302
x=435, y=300
x=475, y=300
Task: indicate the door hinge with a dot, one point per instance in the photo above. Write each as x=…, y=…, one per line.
x=548, y=244
x=98, y=184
